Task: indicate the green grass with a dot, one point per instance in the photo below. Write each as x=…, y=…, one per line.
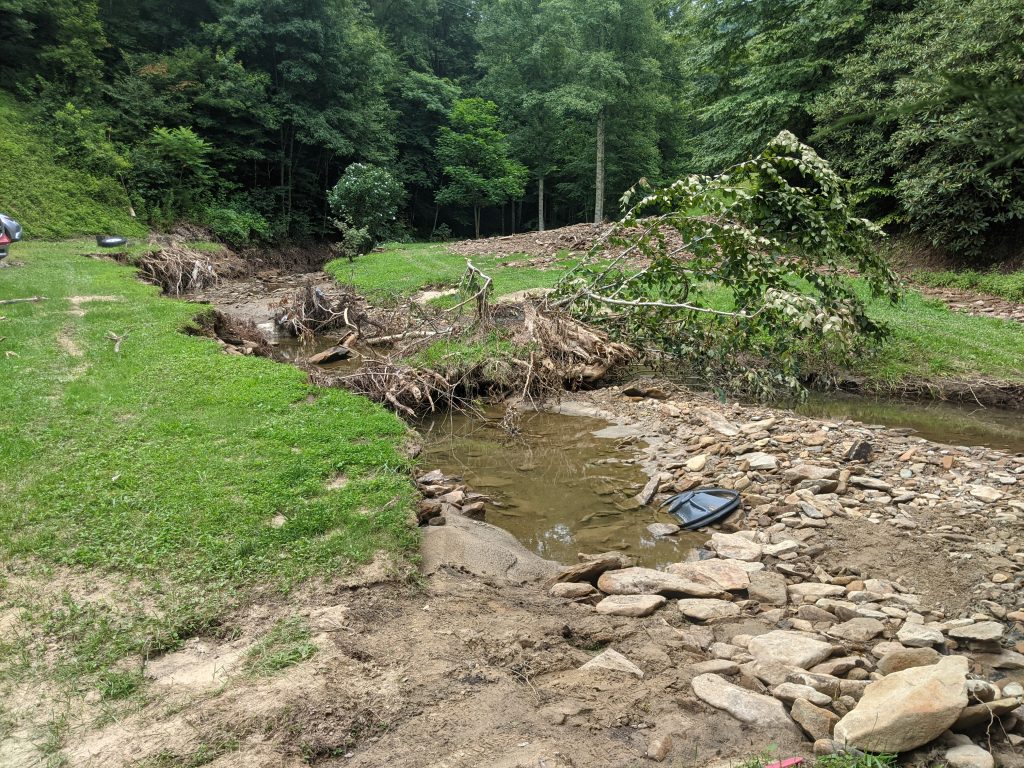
x=1008, y=286
x=402, y=269
x=162, y=467
x=47, y=198
x=283, y=646
x=928, y=340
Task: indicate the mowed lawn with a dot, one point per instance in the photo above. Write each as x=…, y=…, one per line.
x=927, y=339
x=169, y=465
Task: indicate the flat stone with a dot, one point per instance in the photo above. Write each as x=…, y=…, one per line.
x=907, y=709
x=811, y=591
x=649, y=490
x=714, y=667
x=657, y=530
x=612, y=660
x=817, y=723
x=985, y=493
x=857, y=630
x=984, y=713
x=919, y=636
x=724, y=574
x=790, y=692
x=782, y=548
x=648, y=581
x=759, y=711
x=869, y=483
x=793, y=649
x=572, y=590
x=590, y=569
x=982, y=631
x=837, y=667
x=717, y=422
x=800, y=472
x=768, y=588
x=760, y=462
x=908, y=658
x=630, y=605
x=969, y=756
x=735, y=547
x=708, y=609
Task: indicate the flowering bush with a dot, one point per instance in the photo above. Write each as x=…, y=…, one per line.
x=365, y=202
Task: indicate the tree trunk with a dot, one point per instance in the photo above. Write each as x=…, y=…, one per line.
x=476, y=220
x=599, y=171
x=540, y=204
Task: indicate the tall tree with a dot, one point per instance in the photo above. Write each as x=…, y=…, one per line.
x=474, y=155
x=328, y=73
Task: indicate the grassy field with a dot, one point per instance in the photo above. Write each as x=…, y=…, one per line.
x=928, y=341
x=172, y=471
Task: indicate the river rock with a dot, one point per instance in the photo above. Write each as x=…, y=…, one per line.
x=908, y=658
x=812, y=591
x=724, y=574
x=756, y=710
x=800, y=472
x=630, y=605
x=708, y=609
x=969, y=756
x=869, y=483
x=572, y=590
x=907, y=709
x=735, y=547
x=657, y=530
x=614, y=661
x=983, y=631
x=979, y=714
x=590, y=569
x=985, y=493
x=768, y=588
x=794, y=649
x=790, y=692
x=760, y=462
x=817, y=723
x=645, y=495
x=717, y=422
x=697, y=463
x=857, y=630
x=919, y=636
x=648, y=581
x=659, y=748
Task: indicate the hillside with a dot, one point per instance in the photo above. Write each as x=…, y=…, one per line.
x=52, y=201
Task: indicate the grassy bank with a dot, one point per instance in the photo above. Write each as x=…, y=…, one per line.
x=143, y=492
x=929, y=342
x=49, y=198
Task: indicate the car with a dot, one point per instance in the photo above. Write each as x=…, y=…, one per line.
x=10, y=232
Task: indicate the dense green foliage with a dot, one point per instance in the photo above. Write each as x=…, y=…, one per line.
x=364, y=203
x=242, y=115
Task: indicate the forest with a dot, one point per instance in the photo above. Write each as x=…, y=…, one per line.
x=499, y=116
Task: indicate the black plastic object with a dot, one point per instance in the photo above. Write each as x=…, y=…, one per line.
x=703, y=506
x=110, y=241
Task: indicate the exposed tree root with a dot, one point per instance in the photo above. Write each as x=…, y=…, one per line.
x=239, y=337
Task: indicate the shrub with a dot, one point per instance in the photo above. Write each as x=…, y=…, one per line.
x=235, y=223
x=365, y=203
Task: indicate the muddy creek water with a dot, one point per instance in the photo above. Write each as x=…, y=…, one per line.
x=559, y=487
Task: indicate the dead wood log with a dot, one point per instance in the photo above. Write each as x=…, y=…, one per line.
x=23, y=301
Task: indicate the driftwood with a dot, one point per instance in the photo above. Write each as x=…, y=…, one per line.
x=117, y=340
x=22, y=301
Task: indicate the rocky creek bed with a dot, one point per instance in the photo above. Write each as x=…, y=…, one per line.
x=867, y=597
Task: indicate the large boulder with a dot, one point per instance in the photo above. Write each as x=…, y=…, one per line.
x=907, y=709
x=793, y=649
x=648, y=581
x=756, y=710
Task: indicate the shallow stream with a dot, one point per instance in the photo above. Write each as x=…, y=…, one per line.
x=558, y=487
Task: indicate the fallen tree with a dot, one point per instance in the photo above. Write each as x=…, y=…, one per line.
x=740, y=274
